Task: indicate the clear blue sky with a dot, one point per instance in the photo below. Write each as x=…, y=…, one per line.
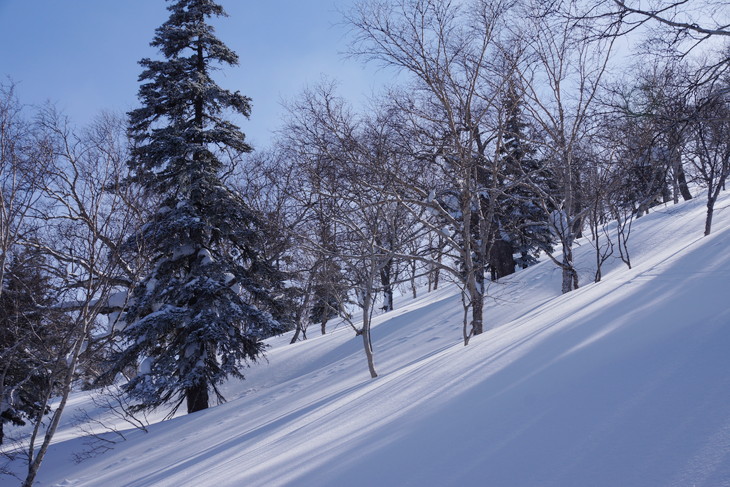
x=82, y=54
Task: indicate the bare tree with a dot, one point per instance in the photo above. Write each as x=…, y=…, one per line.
x=269, y=185
x=447, y=119
x=340, y=161
x=694, y=21
x=710, y=147
x=23, y=156
x=311, y=151
x=653, y=109
x=561, y=74
x=600, y=183
x=85, y=224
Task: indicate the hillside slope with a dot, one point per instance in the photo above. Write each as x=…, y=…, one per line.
x=624, y=382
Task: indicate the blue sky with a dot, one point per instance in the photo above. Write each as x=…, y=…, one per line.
x=82, y=54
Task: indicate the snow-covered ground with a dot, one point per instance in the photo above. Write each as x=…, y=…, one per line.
x=621, y=383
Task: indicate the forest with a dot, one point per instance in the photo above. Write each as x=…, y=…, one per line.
x=150, y=254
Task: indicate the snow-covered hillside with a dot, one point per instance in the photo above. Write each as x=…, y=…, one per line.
x=621, y=383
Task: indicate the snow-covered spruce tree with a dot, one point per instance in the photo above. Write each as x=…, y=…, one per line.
x=523, y=221
x=201, y=313
x=31, y=333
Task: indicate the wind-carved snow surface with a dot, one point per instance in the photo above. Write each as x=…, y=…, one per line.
x=621, y=383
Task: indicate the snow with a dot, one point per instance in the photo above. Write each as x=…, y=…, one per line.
x=114, y=320
x=229, y=278
x=620, y=383
x=117, y=299
x=205, y=257
x=559, y=224
x=145, y=366
x=183, y=251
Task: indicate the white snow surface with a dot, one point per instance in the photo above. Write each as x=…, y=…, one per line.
x=621, y=383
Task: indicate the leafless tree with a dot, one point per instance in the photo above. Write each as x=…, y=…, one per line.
x=653, y=109
x=340, y=161
x=270, y=185
x=101, y=432
x=85, y=223
x=600, y=183
x=710, y=146
x=446, y=51
x=310, y=150
x=562, y=74
x=694, y=21
x=23, y=155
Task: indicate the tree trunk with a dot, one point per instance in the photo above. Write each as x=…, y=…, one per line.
x=385, y=279
x=413, y=279
x=682, y=182
x=477, y=313
x=303, y=316
x=433, y=277
x=297, y=332
x=369, y=352
x=35, y=462
x=501, y=260
x=366, y=341
x=712, y=195
x=708, y=220
x=476, y=296
x=570, y=276
x=197, y=397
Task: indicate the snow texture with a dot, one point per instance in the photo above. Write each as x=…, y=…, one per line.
x=620, y=383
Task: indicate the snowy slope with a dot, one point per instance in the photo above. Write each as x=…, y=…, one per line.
x=621, y=383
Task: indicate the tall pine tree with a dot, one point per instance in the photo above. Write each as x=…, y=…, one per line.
x=201, y=313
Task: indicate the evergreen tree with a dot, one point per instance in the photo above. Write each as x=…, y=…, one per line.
x=202, y=311
x=31, y=332
x=523, y=220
